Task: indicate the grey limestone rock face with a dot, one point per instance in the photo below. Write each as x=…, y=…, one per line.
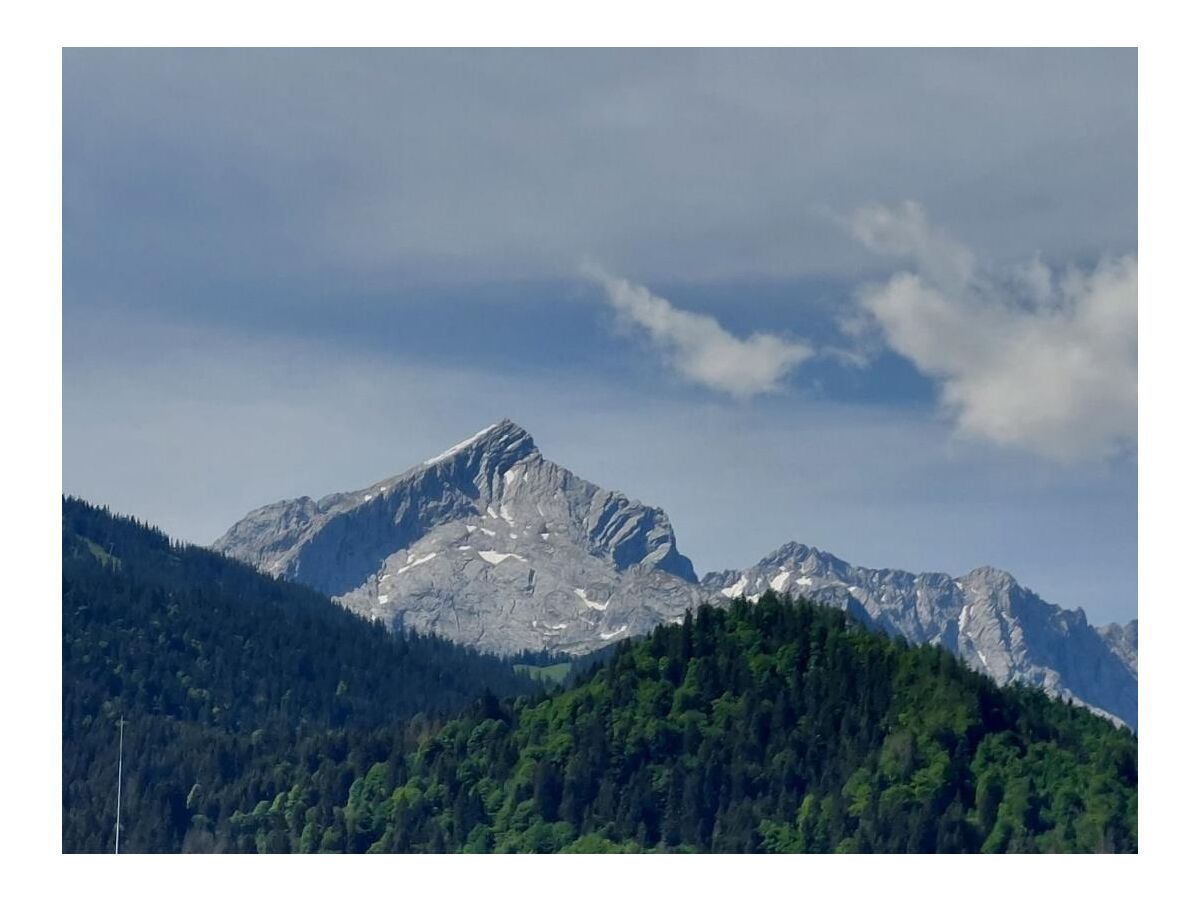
x=1123, y=639
x=489, y=544
x=985, y=617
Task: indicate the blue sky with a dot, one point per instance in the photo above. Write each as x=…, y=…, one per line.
x=880, y=302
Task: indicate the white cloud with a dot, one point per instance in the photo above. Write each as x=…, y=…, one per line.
x=1024, y=357
x=699, y=349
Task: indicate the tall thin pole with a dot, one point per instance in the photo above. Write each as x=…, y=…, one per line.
x=120, y=759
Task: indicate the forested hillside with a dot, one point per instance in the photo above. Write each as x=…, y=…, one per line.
x=220, y=672
x=263, y=718
x=779, y=726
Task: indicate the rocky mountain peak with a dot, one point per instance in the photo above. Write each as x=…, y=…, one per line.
x=804, y=559
x=989, y=578
x=488, y=543
x=505, y=441
x=477, y=464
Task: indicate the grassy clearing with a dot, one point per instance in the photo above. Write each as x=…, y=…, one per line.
x=554, y=674
x=103, y=556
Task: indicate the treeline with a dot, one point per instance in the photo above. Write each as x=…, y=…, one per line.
x=780, y=726
x=222, y=673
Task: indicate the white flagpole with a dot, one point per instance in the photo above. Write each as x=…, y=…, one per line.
x=120, y=758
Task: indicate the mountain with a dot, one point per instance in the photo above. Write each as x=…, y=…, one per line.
x=781, y=726
x=496, y=547
x=985, y=617
x=489, y=544
x=219, y=671
x=1123, y=639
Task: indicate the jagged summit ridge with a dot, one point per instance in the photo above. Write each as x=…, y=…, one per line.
x=488, y=543
x=986, y=617
x=504, y=439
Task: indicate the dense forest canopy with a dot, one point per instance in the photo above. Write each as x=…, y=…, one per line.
x=776, y=726
x=219, y=671
x=264, y=718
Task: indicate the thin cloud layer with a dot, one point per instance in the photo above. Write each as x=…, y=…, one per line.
x=485, y=165
x=699, y=349
x=1024, y=357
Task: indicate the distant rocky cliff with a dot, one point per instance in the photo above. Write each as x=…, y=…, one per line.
x=985, y=617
